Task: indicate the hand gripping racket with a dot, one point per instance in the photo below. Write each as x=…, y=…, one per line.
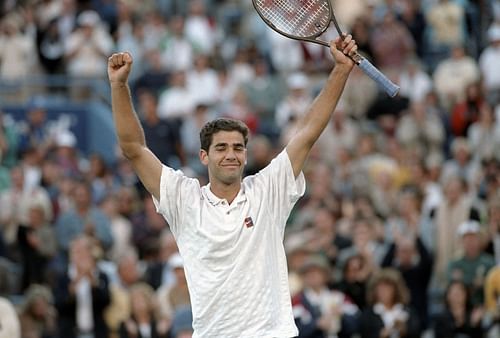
x=306, y=20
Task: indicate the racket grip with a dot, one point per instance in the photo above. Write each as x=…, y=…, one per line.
x=387, y=85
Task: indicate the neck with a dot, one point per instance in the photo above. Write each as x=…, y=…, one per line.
x=228, y=192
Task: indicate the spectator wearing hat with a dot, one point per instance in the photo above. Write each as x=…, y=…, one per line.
x=295, y=103
x=37, y=315
x=455, y=208
x=173, y=297
x=488, y=58
x=88, y=46
x=66, y=153
x=319, y=311
x=388, y=313
x=474, y=265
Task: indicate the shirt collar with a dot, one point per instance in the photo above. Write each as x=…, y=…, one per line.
x=214, y=200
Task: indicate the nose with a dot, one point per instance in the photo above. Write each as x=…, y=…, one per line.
x=230, y=154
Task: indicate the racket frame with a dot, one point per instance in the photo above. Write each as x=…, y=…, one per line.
x=391, y=88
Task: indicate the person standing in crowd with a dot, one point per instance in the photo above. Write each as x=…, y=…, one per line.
x=230, y=232
x=473, y=266
x=162, y=135
x=37, y=314
x=458, y=318
x=82, y=294
x=85, y=218
x=319, y=311
x=143, y=321
x=37, y=246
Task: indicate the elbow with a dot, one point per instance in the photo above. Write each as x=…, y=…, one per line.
x=131, y=150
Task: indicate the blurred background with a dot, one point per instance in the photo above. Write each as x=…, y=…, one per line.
x=398, y=234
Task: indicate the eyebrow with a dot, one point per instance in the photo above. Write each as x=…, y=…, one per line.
x=227, y=144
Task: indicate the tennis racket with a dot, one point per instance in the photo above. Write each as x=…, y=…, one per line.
x=306, y=20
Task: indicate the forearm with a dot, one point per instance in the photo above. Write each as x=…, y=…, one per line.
x=128, y=127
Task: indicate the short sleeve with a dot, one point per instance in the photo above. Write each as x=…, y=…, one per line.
x=175, y=190
x=277, y=187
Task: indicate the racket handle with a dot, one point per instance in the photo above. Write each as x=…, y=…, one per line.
x=387, y=85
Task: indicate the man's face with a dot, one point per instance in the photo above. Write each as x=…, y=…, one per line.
x=472, y=245
x=226, y=157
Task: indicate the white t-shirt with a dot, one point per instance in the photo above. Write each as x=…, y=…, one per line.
x=234, y=258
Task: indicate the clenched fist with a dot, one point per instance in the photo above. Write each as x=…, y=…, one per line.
x=119, y=66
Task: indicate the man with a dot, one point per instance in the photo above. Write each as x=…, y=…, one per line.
x=230, y=232
x=473, y=266
x=82, y=293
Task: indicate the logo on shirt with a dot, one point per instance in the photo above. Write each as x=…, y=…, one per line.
x=248, y=222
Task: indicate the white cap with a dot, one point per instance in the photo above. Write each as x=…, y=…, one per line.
x=297, y=81
x=494, y=33
x=469, y=227
x=88, y=18
x=65, y=139
x=175, y=261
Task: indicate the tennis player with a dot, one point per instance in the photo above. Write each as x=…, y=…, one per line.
x=230, y=232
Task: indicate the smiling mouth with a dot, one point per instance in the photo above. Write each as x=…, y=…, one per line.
x=232, y=165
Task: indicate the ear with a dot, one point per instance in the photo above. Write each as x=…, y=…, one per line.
x=203, y=157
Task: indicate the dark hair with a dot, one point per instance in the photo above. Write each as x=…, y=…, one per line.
x=221, y=124
x=392, y=277
x=467, y=291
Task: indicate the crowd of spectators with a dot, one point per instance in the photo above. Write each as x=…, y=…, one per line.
x=398, y=234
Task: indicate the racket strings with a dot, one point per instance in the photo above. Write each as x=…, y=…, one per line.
x=301, y=18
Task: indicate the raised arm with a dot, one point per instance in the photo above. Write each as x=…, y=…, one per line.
x=128, y=128
x=320, y=112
